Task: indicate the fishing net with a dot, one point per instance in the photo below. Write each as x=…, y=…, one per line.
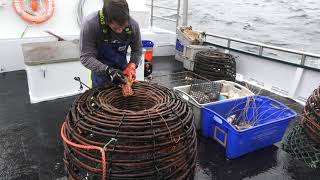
x=303, y=142
x=299, y=145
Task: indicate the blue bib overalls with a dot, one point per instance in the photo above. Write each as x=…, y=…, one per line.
x=112, y=53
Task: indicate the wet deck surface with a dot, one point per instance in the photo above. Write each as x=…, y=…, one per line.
x=31, y=147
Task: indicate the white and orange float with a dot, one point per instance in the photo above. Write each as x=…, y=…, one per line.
x=20, y=7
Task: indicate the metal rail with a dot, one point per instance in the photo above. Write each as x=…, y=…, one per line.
x=162, y=7
x=177, y=20
x=261, y=47
x=168, y=19
x=229, y=40
x=185, y=13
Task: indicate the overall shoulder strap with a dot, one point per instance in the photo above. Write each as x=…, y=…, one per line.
x=128, y=31
x=105, y=29
x=103, y=26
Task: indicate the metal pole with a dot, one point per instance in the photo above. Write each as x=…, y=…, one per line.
x=151, y=18
x=303, y=60
x=185, y=13
x=260, y=50
x=178, y=13
x=229, y=43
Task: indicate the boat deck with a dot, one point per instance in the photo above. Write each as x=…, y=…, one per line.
x=31, y=147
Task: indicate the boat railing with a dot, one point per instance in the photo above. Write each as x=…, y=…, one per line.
x=296, y=57
x=178, y=17
x=229, y=42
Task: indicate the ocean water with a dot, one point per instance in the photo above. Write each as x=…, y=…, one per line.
x=293, y=24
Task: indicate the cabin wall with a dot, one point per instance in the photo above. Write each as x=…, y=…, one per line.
x=64, y=23
x=64, y=20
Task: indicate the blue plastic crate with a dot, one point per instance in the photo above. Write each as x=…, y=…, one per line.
x=270, y=119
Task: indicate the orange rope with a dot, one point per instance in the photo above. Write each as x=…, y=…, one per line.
x=103, y=154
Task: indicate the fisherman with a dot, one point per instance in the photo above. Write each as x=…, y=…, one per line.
x=104, y=39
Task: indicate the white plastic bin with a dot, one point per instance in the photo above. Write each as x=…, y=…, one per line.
x=183, y=40
x=179, y=56
x=232, y=89
x=188, y=63
x=190, y=51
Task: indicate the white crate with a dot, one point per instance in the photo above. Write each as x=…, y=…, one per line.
x=179, y=56
x=233, y=89
x=185, y=41
x=188, y=63
x=190, y=51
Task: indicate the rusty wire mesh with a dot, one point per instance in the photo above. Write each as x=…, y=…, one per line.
x=205, y=92
x=154, y=129
x=201, y=89
x=178, y=79
x=215, y=65
x=311, y=120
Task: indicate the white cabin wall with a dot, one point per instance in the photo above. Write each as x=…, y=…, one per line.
x=64, y=23
x=64, y=20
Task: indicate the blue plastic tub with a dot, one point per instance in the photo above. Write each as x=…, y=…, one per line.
x=269, y=118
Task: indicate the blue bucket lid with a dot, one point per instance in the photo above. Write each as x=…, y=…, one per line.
x=147, y=43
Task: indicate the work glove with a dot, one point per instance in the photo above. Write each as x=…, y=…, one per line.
x=116, y=76
x=130, y=72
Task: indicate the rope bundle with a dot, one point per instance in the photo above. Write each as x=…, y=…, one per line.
x=149, y=135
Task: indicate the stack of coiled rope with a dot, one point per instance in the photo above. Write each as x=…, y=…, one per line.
x=215, y=65
x=149, y=135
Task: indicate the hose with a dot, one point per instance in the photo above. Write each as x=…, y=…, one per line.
x=80, y=12
x=65, y=139
x=80, y=16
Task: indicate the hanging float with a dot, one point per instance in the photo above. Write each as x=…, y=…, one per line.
x=36, y=12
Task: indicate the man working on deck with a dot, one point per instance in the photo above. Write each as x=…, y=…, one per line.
x=104, y=40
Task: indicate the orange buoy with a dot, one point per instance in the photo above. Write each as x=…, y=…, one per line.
x=19, y=7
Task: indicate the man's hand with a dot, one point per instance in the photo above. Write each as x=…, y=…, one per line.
x=116, y=76
x=130, y=72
